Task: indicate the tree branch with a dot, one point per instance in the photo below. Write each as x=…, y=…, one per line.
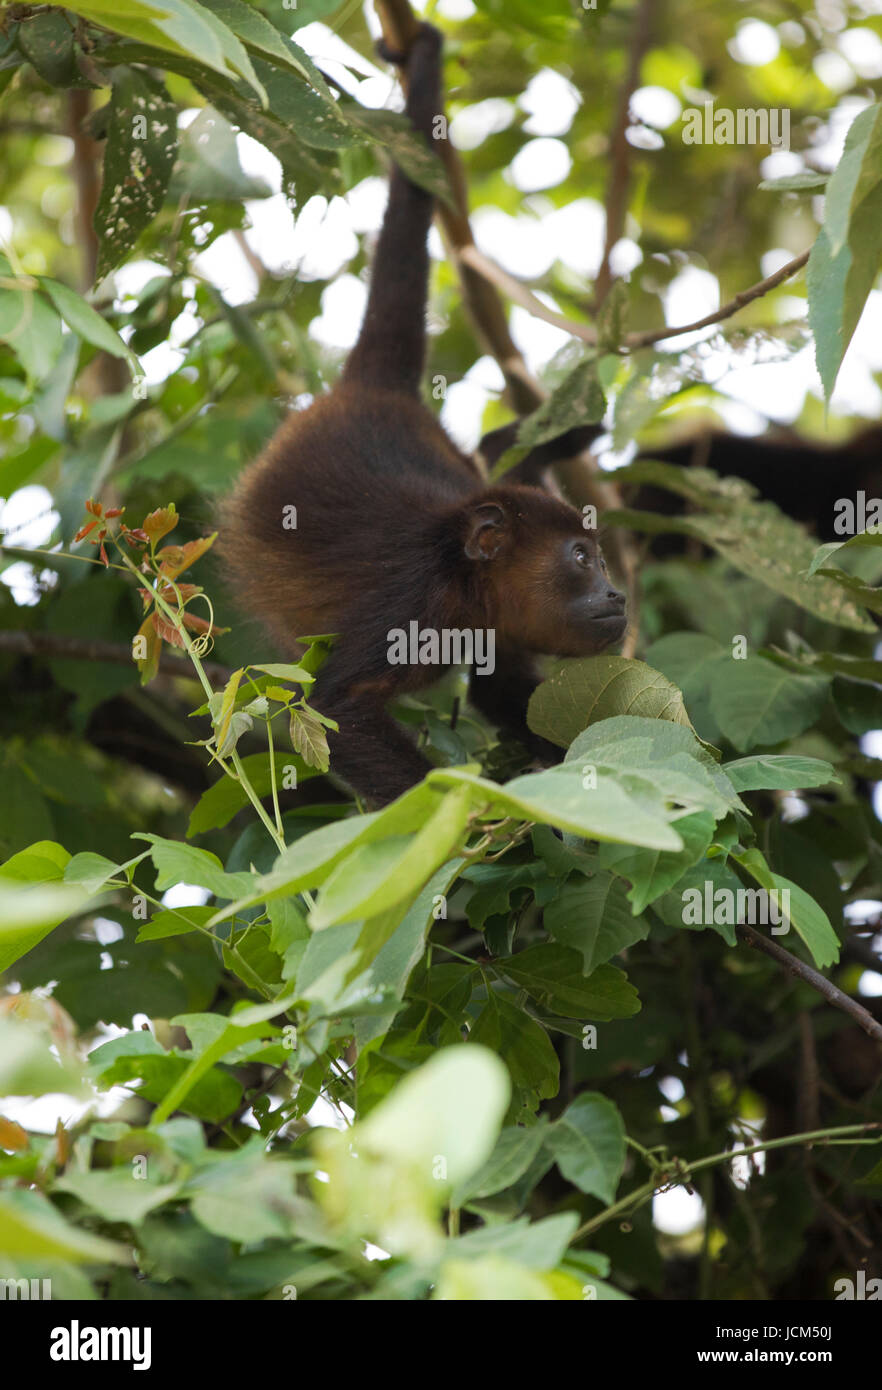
x=618, y=186
x=656, y=335
x=62, y=648
x=835, y=996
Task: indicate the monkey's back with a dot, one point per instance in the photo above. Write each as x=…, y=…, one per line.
x=352, y=485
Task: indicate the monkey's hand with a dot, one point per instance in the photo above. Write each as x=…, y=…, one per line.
x=426, y=36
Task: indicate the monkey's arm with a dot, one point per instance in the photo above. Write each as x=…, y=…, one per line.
x=502, y=698
x=390, y=351
x=371, y=752
x=531, y=468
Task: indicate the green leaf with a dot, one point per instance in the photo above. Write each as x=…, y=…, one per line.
x=179, y=863
x=552, y=975
x=588, y=1144
x=117, y=1194
x=775, y=771
x=85, y=321
x=524, y=1046
x=27, y=1064
x=217, y=806
x=634, y=813
x=591, y=915
x=31, y=328
x=142, y=141
x=255, y=30
x=177, y=921
x=534, y=1244
x=652, y=872
x=177, y=26
x=31, y=1227
x=823, y=552
x=752, y=535
x=90, y=871
x=760, y=703
x=308, y=737
x=856, y=176
x=378, y=876
x=586, y=690
x=839, y=282
x=578, y=400
x=453, y=1105
x=809, y=919
x=516, y=1149
x=30, y=912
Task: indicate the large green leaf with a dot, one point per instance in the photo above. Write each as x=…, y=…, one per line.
x=584, y=690
x=552, y=975
x=753, y=536
x=142, y=143
x=845, y=259
x=588, y=1144
x=176, y=26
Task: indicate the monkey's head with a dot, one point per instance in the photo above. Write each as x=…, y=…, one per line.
x=542, y=575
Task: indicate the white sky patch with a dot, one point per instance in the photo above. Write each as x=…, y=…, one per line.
x=537, y=340
x=367, y=203
x=470, y=127
x=185, y=895
x=833, y=70
x=863, y=49
x=755, y=43
x=693, y=294
x=225, y=265
x=29, y=515
x=106, y=930
x=672, y=1087
x=780, y=163
x=551, y=102
x=643, y=137
x=542, y=163
x=870, y=984
x=678, y=1212
x=40, y=1114
x=625, y=256
x=575, y=234
x=343, y=304
x=517, y=243
x=656, y=106
x=331, y=53
x=462, y=412
x=324, y=1114
x=453, y=9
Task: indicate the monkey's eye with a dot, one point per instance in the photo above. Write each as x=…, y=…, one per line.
x=581, y=556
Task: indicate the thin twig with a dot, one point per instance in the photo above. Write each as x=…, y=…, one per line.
x=517, y=291
x=656, y=335
x=835, y=996
x=59, y=647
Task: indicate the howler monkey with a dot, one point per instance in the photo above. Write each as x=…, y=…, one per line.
x=396, y=527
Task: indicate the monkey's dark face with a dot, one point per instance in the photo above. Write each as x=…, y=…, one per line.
x=546, y=581
x=592, y=610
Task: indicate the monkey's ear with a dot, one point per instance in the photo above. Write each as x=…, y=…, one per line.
x=486, y=531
